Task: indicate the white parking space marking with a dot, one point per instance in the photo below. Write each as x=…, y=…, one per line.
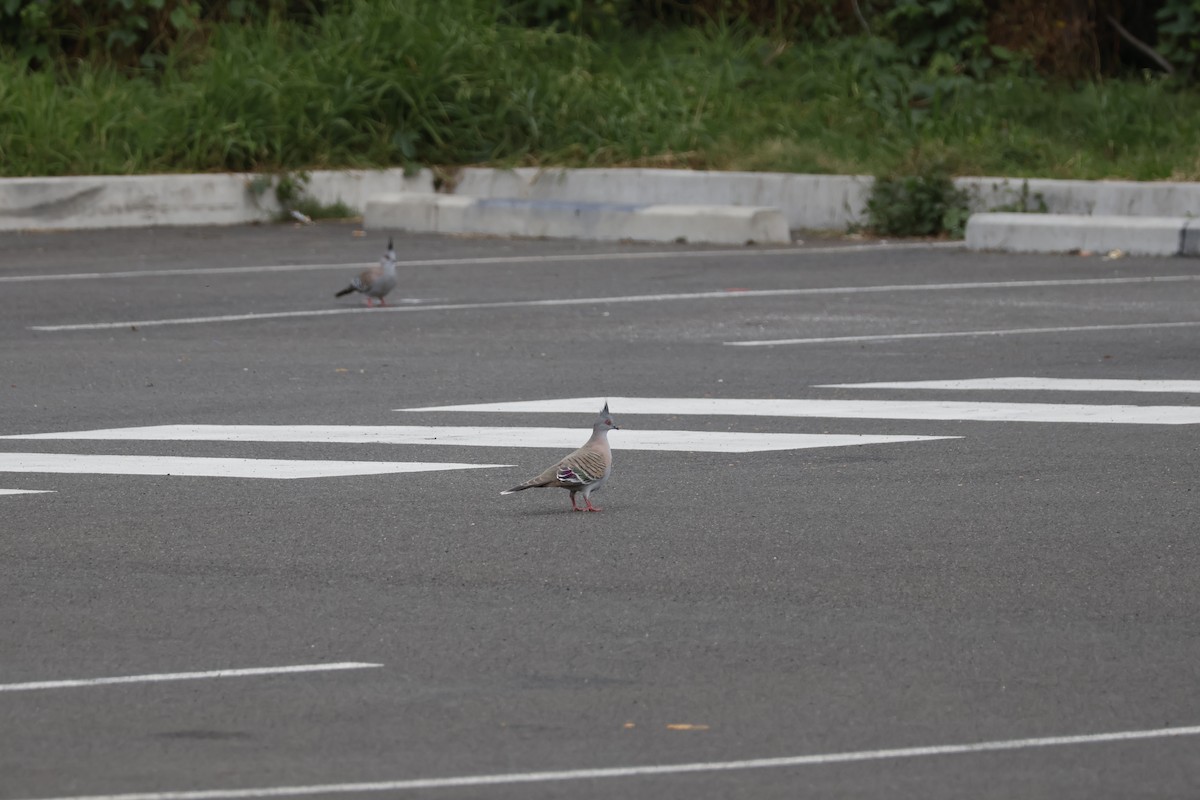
x=889, y=337
x=482, y=260
x=177, y=273
x=26, y=491
x=186, y=676
x=681, y=441
x=851, y=409
x=643, y=298
x=653, y=770
x=1034, y=384
x=195, y=467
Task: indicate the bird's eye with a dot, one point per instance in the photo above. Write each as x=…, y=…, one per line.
x=608, y=422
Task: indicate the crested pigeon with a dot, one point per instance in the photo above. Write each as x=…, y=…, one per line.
x=376, y=281
x=583, y=471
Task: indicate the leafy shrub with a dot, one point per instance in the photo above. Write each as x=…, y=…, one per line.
x=820, y=19
x=592, y=17
x=943, y=35
x=917, y=205
x=1179, y=35
x=128, y=33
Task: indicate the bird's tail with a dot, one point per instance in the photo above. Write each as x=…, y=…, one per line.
x=515, y=489
x=345, y=291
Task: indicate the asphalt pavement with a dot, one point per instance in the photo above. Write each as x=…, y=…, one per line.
x=852, y=616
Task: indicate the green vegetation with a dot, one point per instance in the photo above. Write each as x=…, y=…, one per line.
x=1179, y=30
x=291, y=193
x=285, y=87
x=917, y=205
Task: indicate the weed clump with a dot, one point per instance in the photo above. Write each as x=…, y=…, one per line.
x=918, y=205
x=294, y=201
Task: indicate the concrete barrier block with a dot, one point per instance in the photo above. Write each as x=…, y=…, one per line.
x=437, y=213
x=500, y=216
x=1062, y=233
x=417, y=212
x=715, y=224
x=807, y=201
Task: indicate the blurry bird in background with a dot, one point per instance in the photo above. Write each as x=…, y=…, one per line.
x=376, y=281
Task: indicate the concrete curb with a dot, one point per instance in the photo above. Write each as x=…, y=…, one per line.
x=1062, y=233
x=1089, y=198
x=821, y=201
x=109, y=201
x=805, y=202
x=713, y=224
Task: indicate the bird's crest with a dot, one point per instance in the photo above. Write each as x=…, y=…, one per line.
x=605, y=419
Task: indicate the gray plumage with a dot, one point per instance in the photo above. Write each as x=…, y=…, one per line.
x=376, y=281
x=582, y=471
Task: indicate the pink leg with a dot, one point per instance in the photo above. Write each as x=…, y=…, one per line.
x=589, y=505
x=382, y=302
x=573, y=506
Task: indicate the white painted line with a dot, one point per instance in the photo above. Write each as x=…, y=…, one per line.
x=637, y=298
x=889, y=337
x=1034, y=384
x=178, y=273
x=352, y=267
x=651, y=770
x=682, y=441
x=194, y=467
x=185, y=676
x=27, y=491
x=851, y=409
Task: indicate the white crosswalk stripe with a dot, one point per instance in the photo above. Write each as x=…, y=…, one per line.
x=73, y=463
x=941, y=410
x=1034, y=384
x=625, y=439
x=630, y=438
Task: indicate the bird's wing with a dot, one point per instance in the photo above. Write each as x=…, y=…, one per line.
x=366, y=279
x=586, y=465
x=575, y=470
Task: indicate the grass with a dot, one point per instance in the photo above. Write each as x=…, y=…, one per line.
x=401, y=82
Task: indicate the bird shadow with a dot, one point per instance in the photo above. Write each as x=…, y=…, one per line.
x=556, y=512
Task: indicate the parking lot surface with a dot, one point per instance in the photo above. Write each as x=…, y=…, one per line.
x=885, y=520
